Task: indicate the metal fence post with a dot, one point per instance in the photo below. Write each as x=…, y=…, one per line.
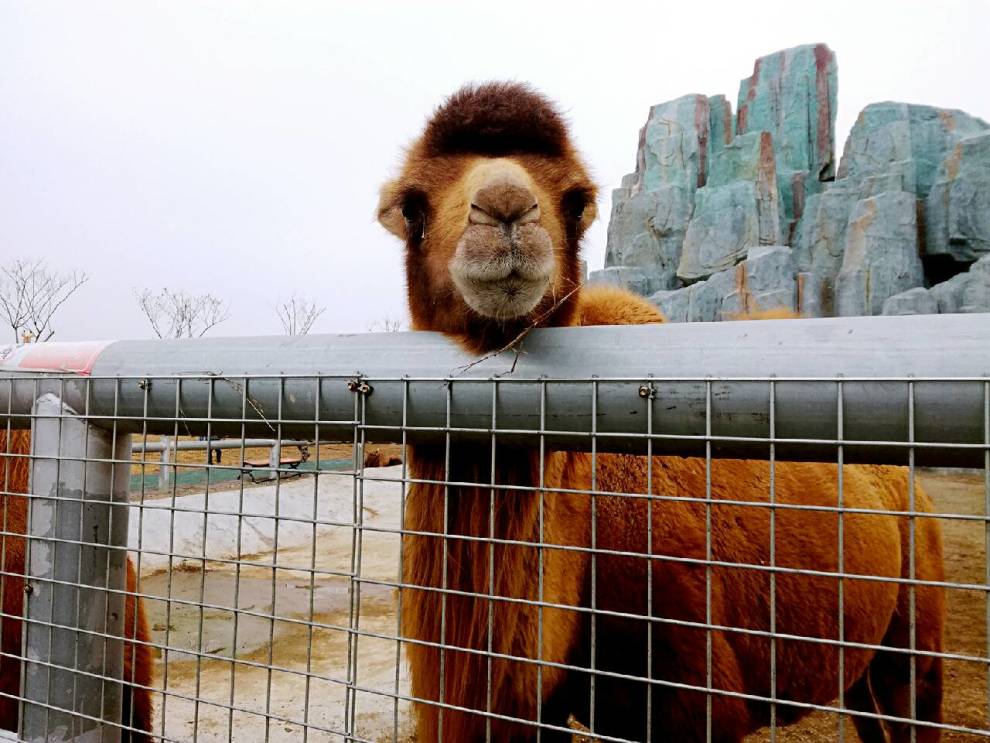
x=73, y=623
x=275, y=460
x=166, y=469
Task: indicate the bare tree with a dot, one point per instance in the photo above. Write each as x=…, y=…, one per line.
x=31, y=294
x=386, y=325
x=176, y=314
x=298, y=315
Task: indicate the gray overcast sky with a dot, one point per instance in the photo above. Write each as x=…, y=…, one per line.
x=238, y=147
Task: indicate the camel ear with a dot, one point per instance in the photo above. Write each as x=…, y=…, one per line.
x=589, y=215
x=390, y=210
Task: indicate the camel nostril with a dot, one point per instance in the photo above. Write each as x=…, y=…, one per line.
x=504, y=202
x=479, y=215
x=530, y=215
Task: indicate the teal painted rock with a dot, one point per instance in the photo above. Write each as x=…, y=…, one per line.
x=796, y=187
x=625, y=277
x=765, y=280
x=735, y=211
x=810, y=293
x=674, y=146
x=948, y=295
x=820, y=243
x=792, y=95
x=710, y=189
x=904, y=142
x=881, y=256
x=720, y=125
x=706, y=297
x=957, y=210
x=652, y=207
x=965, y=292
x=646, y=231
x=674, y=304
x=700, y=302
x=917, y=301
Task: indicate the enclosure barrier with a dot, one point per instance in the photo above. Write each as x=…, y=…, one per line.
x=896, y=390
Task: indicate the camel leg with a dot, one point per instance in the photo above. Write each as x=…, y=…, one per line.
x=682, y=714
x=136, y=706
x=860, y=697
x=890, y=672
x=929, y=700
x=890, y=675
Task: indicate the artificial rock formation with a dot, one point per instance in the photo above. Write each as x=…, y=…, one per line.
x=764, y=280
x=735, y=210
x=964, y=292
x=958, y=205
x=727, y=214
x=881, y=257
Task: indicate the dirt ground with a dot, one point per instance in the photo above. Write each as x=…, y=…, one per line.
x=230, y=651
x=270, y=705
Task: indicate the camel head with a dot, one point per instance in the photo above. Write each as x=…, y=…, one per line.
x=491, y=203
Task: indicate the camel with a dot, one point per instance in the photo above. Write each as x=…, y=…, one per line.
x=506, y=636
x=137, y=714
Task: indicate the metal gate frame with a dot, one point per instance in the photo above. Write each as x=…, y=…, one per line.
x=893, y=390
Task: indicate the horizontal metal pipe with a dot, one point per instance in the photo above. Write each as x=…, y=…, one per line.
x=302, y=387
x=157, y=446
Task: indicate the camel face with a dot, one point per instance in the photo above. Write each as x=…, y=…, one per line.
x=504, y=262
x=491, y=204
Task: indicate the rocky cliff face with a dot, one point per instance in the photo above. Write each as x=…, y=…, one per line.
x=732, y=214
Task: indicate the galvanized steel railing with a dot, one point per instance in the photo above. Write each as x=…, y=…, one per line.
x=897, y=390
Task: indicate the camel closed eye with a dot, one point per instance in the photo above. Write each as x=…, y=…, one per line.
x=479, y=215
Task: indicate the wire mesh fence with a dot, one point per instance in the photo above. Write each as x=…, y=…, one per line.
x=586, y=558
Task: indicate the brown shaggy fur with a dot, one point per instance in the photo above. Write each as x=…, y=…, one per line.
x=495, y=120
x=138, y=661
x=425, y=207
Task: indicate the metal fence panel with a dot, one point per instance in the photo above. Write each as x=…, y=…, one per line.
x=280, y=611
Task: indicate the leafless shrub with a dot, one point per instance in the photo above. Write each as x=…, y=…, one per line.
x=386, y=325
x=298, y=315
x=177, y=314
x=31, y=294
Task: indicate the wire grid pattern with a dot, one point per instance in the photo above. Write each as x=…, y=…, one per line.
x=309, y=630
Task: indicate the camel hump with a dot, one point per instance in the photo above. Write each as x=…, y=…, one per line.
x=609, y=305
